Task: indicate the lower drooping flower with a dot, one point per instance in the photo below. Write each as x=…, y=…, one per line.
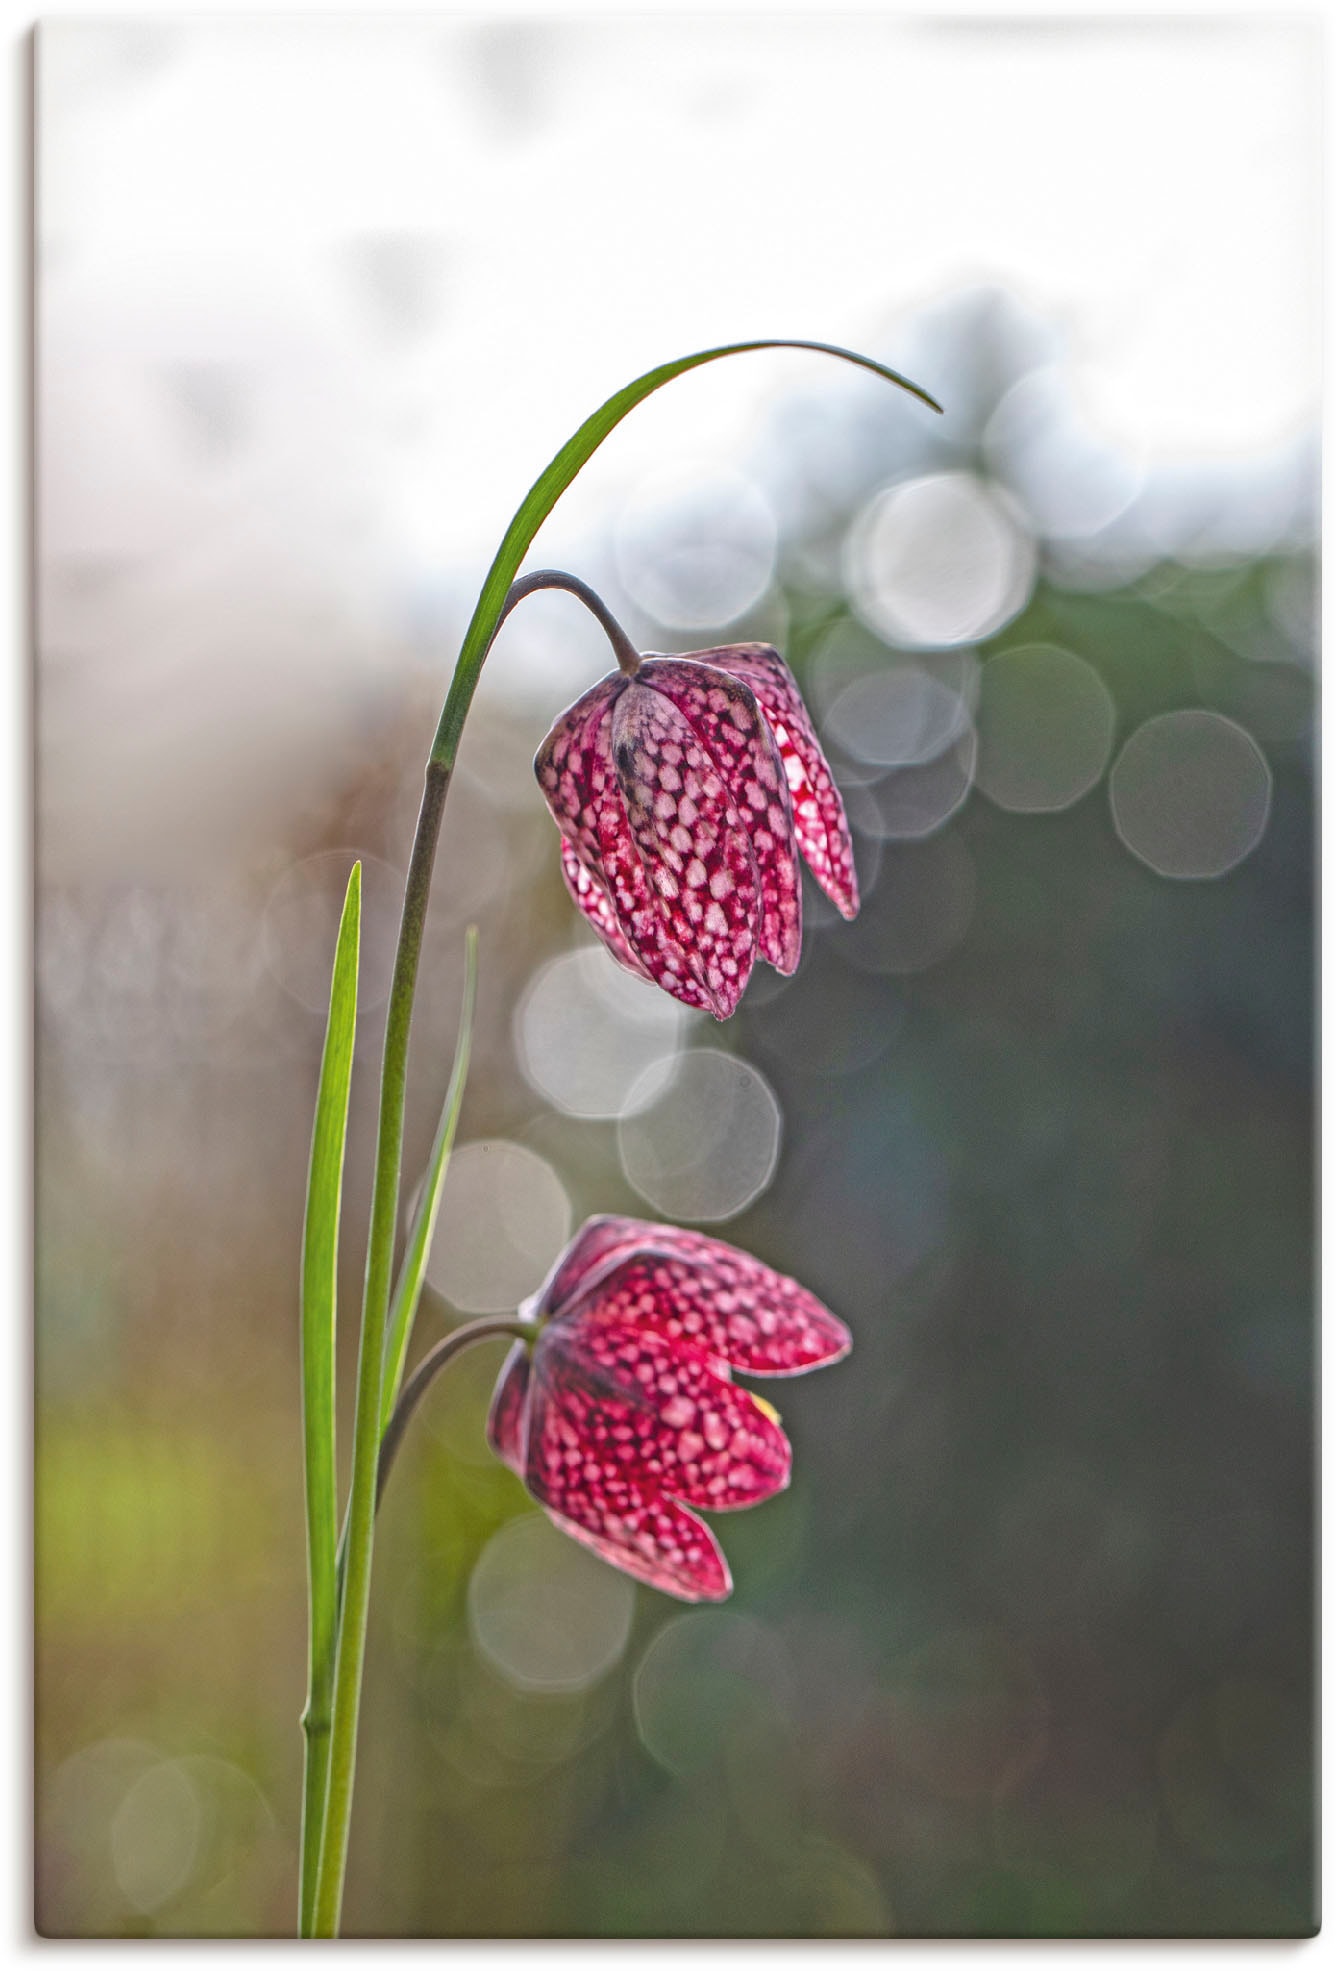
x=621, y=1415
x=684, y=794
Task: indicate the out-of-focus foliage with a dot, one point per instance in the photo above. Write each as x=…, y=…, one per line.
x=1027, y=1648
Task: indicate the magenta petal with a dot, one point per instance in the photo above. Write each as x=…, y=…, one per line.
x=818, y=812
x=507, y=1418
x=725, y=717
x=640, y=914
x=574, y=767
x=712, y=1298
x=600, y=861
x=714, y=1295
x=593, y=901
x=661, y=1544
x=596, y=1458
x=598, y=1241
x=663, y=1413
x=692, y=840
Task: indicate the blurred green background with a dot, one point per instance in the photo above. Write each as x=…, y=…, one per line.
x=1027, y=1648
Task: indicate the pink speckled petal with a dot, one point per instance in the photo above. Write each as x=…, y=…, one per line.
x=725, y=717
x=659, y=1411
x=589, y=1466
x=623, y=1426
x=600, y=861
x=702, y=1295
x=574, y=767
x=592, y=900
x=598, y=1242
x=507, y=1420
x=661, y=1544
x=692, y=840
x=640, y=914
x=818, y=812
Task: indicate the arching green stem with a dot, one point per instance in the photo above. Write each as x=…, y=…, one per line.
x=426, y=1373
x=547, y=489
x=493, y=601
x=628, y=657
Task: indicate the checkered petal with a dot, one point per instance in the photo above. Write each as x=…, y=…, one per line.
x=574, y=769
x=711, y=1298
x=599, y=1243
x=692, y=842
x=626, y=1432
x=819, y=818
x=663, y=1545
x=586, y=1467
x=592, y=900
x=640, y=1409
x=601, y=863
x=724, y=715
x=707, y=1293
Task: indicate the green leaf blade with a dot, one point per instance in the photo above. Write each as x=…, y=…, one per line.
x=319, y=1294
x=408, y=1292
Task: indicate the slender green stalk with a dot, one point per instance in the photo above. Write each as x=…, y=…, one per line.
x=487, y=616
x=351, y=1647
x=408, y=1292
x=320, y=1254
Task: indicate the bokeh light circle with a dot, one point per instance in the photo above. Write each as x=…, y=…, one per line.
x=939, y=560
x=154, y=1836
x=504, y=1218
x=587, y=1033
x=708, y=1146
x=694, y=548
x=1072, y=481
x=901, y=715
x=1190, y=794
x=545, y=1613
x=1045, y=723
x=910, y=802
x=703, y=1678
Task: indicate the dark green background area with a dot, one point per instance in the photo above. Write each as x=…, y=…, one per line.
x=1027, y=1649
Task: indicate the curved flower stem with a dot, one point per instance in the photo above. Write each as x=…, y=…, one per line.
x=426, y=1373
x=628, y=657
x=416, y=1388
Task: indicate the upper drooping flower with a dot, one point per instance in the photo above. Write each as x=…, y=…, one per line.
x=683, y=794
x=621, y=1414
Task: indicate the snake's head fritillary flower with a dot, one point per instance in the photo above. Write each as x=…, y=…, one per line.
x=684, y=793
x=621, y=1414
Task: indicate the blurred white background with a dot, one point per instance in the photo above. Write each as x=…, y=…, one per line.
x=320, y=296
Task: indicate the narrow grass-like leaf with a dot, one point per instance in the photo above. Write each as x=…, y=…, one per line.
x=551, y=483
x=320, y=1255
x=404, y=1306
